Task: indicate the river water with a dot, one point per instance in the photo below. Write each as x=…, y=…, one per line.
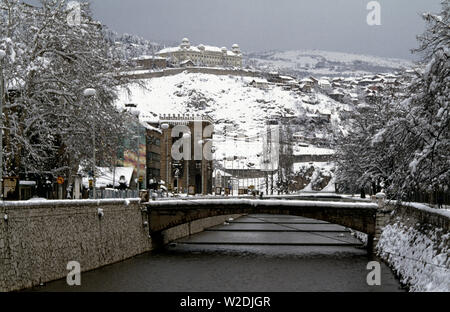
x=252, y=253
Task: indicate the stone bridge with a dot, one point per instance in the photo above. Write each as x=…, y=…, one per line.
x=163, y=215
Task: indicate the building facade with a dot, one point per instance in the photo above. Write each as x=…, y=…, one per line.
x=203, y=55
x=151, y=62
x=134, y=154
x=181, y=175
x=153, y=161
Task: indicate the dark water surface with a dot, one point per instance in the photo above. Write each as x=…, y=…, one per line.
x=252, y=253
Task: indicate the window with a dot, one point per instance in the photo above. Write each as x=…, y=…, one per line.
x=153, y=173
x=155, y=157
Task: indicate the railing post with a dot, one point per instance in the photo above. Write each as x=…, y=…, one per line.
x=381, y=196
x=380, y=220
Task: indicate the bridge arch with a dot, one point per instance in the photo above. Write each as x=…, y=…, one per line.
x=164, y=215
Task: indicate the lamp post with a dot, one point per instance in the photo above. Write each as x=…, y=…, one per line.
x=136, y=113
x=250, y=166
x=222, y=184
x=187, y=137
x=165, y=127
x=232, y=175
x=2, y=56
x=201, y=164
x=201, y=142
x=90, y=93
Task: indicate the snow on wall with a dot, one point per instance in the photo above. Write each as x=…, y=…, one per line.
x=417, y=252
x=257, y=202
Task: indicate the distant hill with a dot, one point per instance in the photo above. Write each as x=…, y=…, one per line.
x=302, y=63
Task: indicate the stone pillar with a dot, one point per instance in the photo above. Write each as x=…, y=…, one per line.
x=382, y=217
x=77, y=187
x=381, y=196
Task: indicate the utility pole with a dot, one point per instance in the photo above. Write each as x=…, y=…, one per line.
x=269, y=139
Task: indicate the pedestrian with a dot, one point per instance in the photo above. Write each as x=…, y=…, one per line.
x=440, y=199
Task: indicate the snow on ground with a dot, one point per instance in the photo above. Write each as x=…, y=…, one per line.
x=418, y=258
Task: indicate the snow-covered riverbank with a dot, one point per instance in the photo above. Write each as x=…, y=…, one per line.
x=418, y=251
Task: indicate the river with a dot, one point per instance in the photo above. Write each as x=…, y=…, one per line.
x=252, y=253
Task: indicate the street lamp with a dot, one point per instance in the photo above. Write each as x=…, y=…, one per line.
x=224, y=171
x=250, y=166
x=136, y=114
x=90, y=93
x=165, y=127
x=2, y=56
x=187, y=137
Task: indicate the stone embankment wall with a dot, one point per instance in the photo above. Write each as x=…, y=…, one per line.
x=415, y=243
x=38, y=239
x=203, y=70
x=194, y=227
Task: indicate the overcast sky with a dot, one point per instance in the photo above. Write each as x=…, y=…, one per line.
x=259, y=25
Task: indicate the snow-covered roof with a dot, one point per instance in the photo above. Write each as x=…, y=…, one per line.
x=198, y=49
x=221, y=173
x=317, y=164
x=148, y=57
x=149, y=127
x=312, y=150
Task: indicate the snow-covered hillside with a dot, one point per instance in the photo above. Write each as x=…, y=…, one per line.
x=237, y=107
x=323, y=63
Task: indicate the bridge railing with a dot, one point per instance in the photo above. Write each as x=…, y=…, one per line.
x=113, y=193
x=309, y=196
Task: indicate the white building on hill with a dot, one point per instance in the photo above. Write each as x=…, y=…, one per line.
x=203, y=55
